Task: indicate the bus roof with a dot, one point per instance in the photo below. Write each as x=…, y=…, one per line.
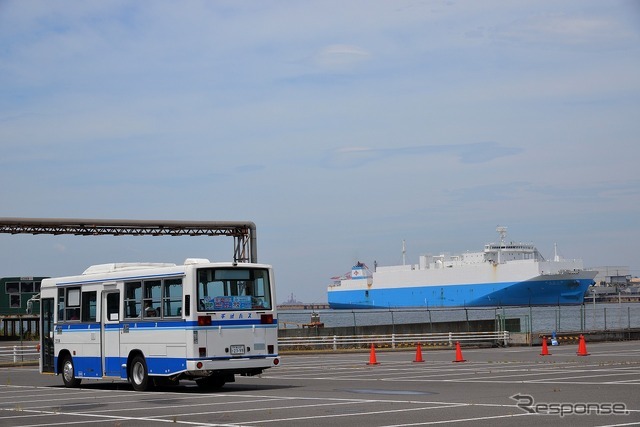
x=123, y=266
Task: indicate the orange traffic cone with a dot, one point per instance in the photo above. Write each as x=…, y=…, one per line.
x=582, y=347
x=419, y=354
x=545, y=349
x=372, y=356
x=459, y=353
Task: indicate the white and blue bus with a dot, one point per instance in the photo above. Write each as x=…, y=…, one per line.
x=152, y=323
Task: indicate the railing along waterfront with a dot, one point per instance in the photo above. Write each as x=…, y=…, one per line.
x=19, y=353
x=335, y=342
x=590, y=316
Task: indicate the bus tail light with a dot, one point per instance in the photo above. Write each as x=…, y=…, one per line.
x=204, y=320
x=202, y=351
x=276, y=361
x=266, y=319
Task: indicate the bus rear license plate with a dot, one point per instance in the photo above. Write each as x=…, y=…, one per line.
x=237, y=349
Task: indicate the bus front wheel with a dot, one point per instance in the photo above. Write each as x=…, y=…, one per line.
x=139, y=375
x=68, y=374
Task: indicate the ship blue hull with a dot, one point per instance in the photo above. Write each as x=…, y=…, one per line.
x=539, y=291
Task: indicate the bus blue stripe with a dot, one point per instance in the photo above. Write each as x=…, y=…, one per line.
x=90, y=367
x=163, y=324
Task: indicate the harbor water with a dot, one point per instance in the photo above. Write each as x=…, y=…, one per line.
x=566, y=318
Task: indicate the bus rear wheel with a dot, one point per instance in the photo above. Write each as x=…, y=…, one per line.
x=139, y=375
x=68, y=374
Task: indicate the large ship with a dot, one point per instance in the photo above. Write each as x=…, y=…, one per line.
x=503, y=274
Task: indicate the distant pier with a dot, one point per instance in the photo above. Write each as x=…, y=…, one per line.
x=303, y=306
x=613, y=298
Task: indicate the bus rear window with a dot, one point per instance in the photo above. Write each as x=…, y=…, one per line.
x=233, y=289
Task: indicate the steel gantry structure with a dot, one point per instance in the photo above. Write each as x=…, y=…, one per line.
x=243, y=232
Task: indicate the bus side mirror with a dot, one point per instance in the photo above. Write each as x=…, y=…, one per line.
x=30, y=303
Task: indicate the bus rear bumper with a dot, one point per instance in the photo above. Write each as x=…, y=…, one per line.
x=238, y=365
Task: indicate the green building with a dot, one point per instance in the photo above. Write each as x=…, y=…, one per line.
x=14, y=294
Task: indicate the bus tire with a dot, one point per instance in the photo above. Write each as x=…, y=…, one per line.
x=139, y=375
x=212, y=382
x=68, y=373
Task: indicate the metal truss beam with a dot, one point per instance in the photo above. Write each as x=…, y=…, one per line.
x=243, y=232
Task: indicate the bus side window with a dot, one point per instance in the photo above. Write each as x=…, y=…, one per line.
x=89, y=306
x=61, y=305
x=172, y=297
x=73, y=304
x=187, y=305
x=152, y=297
x=132, y=299
x=113, y=305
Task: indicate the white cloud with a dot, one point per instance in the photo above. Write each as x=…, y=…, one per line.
x=340, y=57
x=564, y=29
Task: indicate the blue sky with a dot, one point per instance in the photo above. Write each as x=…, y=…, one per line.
x=339, y=128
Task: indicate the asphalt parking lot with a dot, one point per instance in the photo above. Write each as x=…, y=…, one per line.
x=497, y=386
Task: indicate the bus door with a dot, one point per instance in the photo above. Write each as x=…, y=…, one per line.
x=46, y=327
x=110, y=333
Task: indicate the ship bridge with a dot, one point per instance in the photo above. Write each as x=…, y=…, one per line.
x=499, y=253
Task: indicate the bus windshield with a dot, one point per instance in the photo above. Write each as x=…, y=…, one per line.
x=233, y=289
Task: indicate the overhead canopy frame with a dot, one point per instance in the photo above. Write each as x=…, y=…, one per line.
x=243, y=232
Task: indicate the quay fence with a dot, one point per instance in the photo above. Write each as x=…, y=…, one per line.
x=336, y=342
x=589, y=316
x=19, y=353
